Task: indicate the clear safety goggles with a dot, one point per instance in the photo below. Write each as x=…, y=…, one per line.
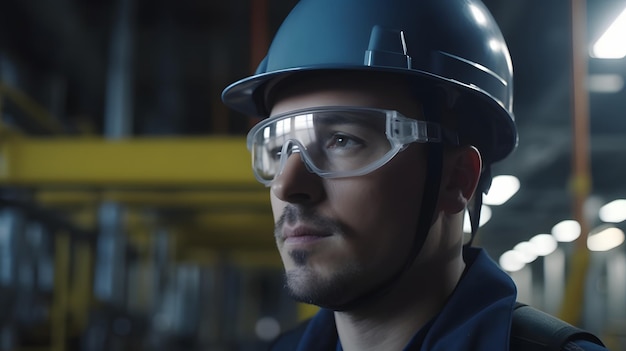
x=334, y=142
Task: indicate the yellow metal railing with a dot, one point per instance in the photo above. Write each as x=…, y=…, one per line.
x=165, y=162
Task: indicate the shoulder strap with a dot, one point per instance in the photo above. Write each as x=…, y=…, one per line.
x=290, y=339
x=533, y=329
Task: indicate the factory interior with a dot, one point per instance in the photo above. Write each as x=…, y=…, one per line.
x=130, y=218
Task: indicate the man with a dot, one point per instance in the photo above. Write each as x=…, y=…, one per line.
x=384, y=119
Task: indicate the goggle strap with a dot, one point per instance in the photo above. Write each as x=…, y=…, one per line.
x=407, y=131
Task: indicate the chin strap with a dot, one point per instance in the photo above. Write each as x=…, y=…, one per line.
x=484, y=183
x=434, y=170
x=424, y=222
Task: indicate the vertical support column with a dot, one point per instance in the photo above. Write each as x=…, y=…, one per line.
x=118, y=107
x=259, y=36
x=11, y=248
x=109, y=284
x=80, y=288
x=160, y=256
x=1, y=107
x=62, y=251
x=110, y=270
x=581, y=181
x=554, y=280
x=615, y=304
x=8, y=75
x=524, y=281
x=571, y=310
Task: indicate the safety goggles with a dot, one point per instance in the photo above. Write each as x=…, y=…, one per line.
x=334, y=142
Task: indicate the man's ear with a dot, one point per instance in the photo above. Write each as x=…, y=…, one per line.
x=461, y=172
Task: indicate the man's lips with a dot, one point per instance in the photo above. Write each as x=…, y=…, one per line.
x=303, y=234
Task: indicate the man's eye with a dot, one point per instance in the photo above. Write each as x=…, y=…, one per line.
x=342, y=141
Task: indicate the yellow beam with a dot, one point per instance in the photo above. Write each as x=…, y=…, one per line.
x=221, y=162
x=248, y=223
x=225, y=230
x=197, y=198
x=216, y=229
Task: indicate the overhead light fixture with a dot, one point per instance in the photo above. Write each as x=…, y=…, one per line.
x=566, y=231
x=512, y=261
x=611, y=45
x=613, y=212
x=503, y=187
x=605, y=238
x=527, y=251
x=543, y=244
x=485, y=216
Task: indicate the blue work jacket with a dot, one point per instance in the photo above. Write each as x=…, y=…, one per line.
x=477, y=316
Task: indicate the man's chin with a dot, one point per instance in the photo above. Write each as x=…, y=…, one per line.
x=307, y=285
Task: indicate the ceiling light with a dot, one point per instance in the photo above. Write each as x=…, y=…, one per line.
x=543, y=244
x=512, y=261
x=502, y=188
x=611, y=44
x=605, y=83
x=527, y=250
x=485, y=216
x=613, y=212
x=566, y=231
x=605, y=239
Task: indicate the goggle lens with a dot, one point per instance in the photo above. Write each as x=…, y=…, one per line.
x=333, y=142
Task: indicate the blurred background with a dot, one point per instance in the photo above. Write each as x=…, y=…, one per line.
x=130, y=219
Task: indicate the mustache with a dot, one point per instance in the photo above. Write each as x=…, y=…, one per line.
x=293, y=214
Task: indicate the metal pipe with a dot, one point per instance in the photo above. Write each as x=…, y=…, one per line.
x=571, y=310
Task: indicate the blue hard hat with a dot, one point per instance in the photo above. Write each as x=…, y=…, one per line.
x=449, y=43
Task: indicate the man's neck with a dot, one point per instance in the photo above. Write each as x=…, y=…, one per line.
x=390, y=322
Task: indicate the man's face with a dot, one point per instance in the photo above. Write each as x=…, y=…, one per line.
x=339, y=237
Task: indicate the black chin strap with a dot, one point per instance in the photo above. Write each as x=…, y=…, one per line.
x=484, y=183
x=424, y=222
x=425, y=219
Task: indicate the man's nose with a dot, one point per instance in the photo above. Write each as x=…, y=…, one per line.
x=296, y=184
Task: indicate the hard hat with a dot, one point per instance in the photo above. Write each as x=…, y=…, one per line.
x=450, y=43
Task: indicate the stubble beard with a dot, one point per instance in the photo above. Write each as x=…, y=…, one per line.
x=306, y=284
